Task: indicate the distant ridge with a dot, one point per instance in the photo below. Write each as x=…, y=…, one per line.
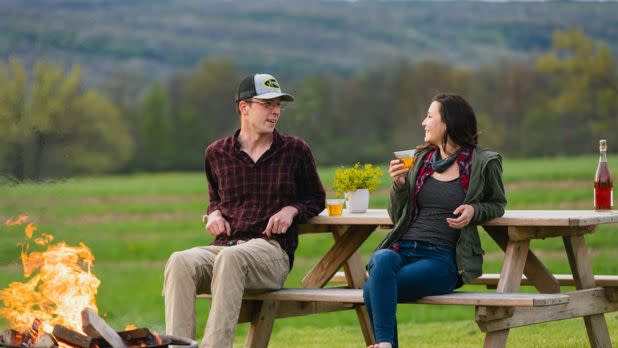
x=155, y=37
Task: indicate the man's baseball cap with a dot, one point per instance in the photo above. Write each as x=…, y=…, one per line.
x=261, y=86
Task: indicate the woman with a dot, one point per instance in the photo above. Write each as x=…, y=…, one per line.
x=434, y=247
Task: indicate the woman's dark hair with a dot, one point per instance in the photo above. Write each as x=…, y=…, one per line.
x=456, y=112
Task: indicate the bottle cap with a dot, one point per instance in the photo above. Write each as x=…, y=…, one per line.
x=602, y=144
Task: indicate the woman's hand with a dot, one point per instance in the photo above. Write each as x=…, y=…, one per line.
x=398, y=173
x=465, y=212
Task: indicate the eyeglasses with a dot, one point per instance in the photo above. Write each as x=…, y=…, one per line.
x=270, y=104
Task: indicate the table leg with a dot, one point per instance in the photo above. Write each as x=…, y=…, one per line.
x=542, y=279
x=579, y=260
x=350, y=239
x=510, y=280
x=354, y=269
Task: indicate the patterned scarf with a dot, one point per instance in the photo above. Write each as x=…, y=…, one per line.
x=463, y=159
x=440, y=165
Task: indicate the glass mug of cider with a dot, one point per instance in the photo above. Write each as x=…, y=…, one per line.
x=406, y=157
x=334, y=206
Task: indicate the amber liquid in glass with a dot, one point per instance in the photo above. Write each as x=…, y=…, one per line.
x=408, y=162
x=603, y=184
x=334, y=209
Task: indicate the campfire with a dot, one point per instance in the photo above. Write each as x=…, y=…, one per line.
x=56, y=306
x=98, y=335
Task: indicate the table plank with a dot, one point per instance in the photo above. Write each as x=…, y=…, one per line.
x=510, y=218
x=355, y=296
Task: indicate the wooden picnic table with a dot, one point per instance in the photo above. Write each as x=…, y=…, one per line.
x=513, y=233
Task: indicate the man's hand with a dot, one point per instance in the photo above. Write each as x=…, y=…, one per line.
x=280, y=222
x=467, y=213
x=217, y=224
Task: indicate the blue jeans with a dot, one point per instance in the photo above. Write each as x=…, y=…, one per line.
x=418, y=269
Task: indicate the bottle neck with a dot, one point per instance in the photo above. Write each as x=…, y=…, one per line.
x=603, y=156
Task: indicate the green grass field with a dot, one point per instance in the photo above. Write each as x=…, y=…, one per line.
x=133, y=223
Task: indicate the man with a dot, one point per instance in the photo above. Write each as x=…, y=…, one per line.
x=261, y=185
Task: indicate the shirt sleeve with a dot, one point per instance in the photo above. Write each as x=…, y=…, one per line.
x=213, y=185
x=310, y=192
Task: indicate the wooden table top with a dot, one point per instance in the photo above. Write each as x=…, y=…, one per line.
x=510, y=218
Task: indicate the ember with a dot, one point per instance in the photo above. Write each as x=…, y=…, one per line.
x=100, y=336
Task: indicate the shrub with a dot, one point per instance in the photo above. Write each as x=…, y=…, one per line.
x=357, y=177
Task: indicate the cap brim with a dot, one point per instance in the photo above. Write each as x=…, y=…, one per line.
x=284, y=96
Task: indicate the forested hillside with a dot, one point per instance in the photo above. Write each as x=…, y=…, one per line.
x=98, y=86
x=53, y=125
x=154, y=37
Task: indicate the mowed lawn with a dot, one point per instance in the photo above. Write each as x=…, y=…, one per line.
x=133, y=223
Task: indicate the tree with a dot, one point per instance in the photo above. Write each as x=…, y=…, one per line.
x=501, y=95
x=155, y=146
x=12, y=118
x=53, y=126
x=125, y=88
x=582, y=98
x=201, y=109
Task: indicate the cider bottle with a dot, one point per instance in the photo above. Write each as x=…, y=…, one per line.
x=603, y=185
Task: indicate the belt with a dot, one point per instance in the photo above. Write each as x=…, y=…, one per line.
x=235, y=242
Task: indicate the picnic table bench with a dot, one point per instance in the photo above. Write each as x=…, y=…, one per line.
x=496, y=312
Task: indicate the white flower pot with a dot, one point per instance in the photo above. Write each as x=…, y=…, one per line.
x=358, y=201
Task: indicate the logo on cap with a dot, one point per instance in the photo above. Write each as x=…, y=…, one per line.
x=272, y=83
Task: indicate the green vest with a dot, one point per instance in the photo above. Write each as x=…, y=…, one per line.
x=485, y=194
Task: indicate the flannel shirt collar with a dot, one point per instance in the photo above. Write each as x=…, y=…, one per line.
x=277, y=140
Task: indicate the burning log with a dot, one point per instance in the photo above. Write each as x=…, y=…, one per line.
x=93, y=324
x=14, y=338
x=139, y=337
x=70, y=337
x=46, y=341
x=9, y=336
x=32, y=335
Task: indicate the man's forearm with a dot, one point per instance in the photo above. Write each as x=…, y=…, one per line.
x=214, y=213
x=291, y=209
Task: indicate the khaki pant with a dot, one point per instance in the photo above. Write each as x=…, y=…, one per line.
x=225, y=272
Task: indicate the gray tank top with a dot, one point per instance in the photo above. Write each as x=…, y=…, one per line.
x=436, y=201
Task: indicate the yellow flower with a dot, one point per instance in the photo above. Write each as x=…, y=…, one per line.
x=357, y=177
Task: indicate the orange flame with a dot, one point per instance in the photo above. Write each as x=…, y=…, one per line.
x=16, y=221
x=60, y=286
